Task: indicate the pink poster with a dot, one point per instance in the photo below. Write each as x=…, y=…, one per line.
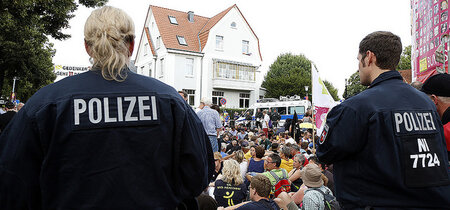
x=429, y=23
x=320, y=116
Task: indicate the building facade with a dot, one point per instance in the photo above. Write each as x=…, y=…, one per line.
x=216, y=58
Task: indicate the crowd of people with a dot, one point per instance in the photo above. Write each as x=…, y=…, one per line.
x=126, y=141
x=265, y=154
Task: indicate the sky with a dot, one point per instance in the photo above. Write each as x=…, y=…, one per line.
x=327, y=32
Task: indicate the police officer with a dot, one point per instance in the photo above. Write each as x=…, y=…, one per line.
x=104, y=139
x=386, y=143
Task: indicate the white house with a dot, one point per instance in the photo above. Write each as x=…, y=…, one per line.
x=216, y=57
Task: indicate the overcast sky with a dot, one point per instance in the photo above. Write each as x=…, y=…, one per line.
x=327, y=32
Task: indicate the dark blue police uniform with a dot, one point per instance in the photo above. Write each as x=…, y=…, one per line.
x=388, y=148
x=89, y=143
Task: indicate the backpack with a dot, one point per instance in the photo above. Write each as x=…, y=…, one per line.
x=281, y=185
x=329, y=200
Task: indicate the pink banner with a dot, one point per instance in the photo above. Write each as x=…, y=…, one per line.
x=430, y=22
x=320, y=115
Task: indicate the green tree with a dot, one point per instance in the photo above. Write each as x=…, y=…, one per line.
x=353, y=86
x=288, y=75
x=332, y=90
x=24, y=45
x=405, y=59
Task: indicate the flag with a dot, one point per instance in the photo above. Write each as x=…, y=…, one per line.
x=321, y=99
x=293, y=125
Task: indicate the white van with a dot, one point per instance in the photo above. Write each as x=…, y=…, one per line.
x=284, y=108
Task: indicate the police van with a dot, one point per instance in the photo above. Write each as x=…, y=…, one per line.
x=286, y=107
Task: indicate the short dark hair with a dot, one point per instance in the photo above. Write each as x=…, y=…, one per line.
x=276, y=159
x=386, y=46
x=184, y=93
x=262, y=185
x=259, y=151
x=317, y=161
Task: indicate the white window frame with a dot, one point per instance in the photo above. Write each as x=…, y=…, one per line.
x=219, y=42
x=173, y=20
x=189, y=67
x=244, y=99
x=216, y=97
x=145, y=49
x=161, y=68
x=181, y=40
x=158, y=42
x=191, y=96
x=245, y=47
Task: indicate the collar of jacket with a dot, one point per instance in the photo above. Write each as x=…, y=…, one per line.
x=393, y=74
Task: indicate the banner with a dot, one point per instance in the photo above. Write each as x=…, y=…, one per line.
x=321, y=99
x=429, y=25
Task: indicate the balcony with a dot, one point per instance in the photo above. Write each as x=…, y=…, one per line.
x=237, y=76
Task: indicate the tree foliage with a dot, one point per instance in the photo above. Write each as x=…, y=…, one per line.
x=26, y=52
x=332, y=90
x=405, y=59
x=288, y=75
x=353, y=86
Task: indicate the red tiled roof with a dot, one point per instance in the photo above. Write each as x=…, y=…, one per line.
x=149, y=40
x=195, y=33
x=169, y=32
x=203, y=34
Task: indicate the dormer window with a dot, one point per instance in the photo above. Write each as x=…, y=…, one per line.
x=173, y=20
x=181, y=40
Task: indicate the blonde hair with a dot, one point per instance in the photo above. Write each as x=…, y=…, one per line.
x=239, y=156
x=231, y=171
x=109, y=32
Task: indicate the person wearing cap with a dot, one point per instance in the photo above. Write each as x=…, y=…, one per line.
x=437, y=88
x=7, y=116
x=386, y=143
x=312, y=178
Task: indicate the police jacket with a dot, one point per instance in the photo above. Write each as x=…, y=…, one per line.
x=88, y=143
x=388, y=148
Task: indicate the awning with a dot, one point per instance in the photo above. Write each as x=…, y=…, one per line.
x=422, y=78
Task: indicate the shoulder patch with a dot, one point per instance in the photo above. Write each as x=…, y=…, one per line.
x=324, y=134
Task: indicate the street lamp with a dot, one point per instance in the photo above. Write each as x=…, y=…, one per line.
x=306, y=89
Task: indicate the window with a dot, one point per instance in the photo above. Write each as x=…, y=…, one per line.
x=150, y=69
x=297, y=109
x=244, y=100
x=233, y=25
x=161, y=70
x=245, y=47
x=191, y=96
x=181, y=40
x=142, y=70
x=216, y=97
x=189, y=67
x=219, y=42
x=145, y=49
x=158, y=42
x=281, y=110
x=173, y=20
x=234, y=71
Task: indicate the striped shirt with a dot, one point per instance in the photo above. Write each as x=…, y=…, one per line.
x=210, y=120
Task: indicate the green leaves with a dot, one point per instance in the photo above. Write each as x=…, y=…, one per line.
x=288, y=75
x=24, y=45
x=405, y=59
x=353, y=86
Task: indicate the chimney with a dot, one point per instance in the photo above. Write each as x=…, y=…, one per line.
x=191, y=16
